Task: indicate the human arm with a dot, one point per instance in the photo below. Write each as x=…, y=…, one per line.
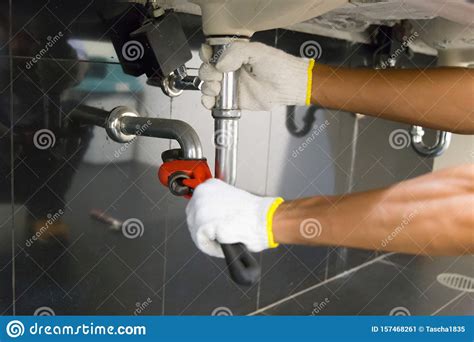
x=439, y=98
x=431, y=214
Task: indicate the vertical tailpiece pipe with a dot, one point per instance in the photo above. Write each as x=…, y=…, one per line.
x=243, y=267
x=226, y=114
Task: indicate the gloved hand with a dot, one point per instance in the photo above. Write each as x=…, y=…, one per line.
x=220, y=213
x=268, y=76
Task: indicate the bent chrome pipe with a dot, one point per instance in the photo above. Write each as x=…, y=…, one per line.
x=124, y=124
x=443, y=139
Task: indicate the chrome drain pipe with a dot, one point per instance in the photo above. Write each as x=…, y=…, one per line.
x=226, y=114
x=243, y=267
x=124, y=124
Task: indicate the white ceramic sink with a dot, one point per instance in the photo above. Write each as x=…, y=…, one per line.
x=245, y=17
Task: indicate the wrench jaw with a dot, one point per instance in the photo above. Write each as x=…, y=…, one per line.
x=182, y=176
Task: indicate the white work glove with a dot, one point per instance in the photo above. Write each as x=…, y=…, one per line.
x=268, y=76
x=220, y=213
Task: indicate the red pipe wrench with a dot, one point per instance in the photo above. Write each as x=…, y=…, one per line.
x=182, y=176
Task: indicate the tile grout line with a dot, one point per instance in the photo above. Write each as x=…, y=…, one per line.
x=448, y=303
x=340, y=275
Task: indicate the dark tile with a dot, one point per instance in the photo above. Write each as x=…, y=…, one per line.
x=6, y=257
x=4, y=27
x=341, y=259
x=446, y=281
x=94, y=269
x=6, y=205
x=461, y=304
x=289, y=269
x=396, y=285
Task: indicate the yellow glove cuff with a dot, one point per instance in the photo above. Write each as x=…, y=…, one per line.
x=271, y=211
x=310, y=82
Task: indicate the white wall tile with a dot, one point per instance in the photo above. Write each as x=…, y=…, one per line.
x=299, y=167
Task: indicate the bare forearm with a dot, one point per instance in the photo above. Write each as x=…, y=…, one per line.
x=439, y=98
x=432, y=214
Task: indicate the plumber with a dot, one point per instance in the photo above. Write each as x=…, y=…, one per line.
x=438, y=208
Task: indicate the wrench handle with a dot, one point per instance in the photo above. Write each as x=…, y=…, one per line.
x=243, y=267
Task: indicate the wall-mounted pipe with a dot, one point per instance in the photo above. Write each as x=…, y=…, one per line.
x=443, y=139
x=124, y=124
x=308, y=121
